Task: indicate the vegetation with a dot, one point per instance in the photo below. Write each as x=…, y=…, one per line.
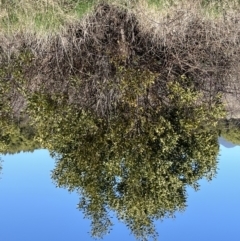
x=43, y=17
x=47, y=17
x=15, y=138
x=127, y=100
x=230, y=130
x=144, y=146
x=138, y=160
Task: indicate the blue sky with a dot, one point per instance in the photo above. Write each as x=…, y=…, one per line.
x=32, y=209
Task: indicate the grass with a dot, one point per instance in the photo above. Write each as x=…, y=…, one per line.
x=42, y=17
x=51, y=16
x=168, y=38
x=96, y=56
x=160, y=3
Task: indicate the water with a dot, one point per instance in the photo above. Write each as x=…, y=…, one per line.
x=130, y=149
x=32, y=208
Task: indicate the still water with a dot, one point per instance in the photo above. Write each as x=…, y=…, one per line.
x=33, y=209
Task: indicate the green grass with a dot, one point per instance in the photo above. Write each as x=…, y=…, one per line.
x=160, y=3
x=45, y=17
x=41, y=17
x=210, y=7
x=83, y=7
x=218, y=8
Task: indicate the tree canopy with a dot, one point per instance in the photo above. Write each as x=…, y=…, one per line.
x=230, y=130
x=139, y=158
x=133, y=152
x=131, y=118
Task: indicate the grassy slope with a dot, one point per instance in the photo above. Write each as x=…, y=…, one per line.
x=43, y=17
x=47, y=16
x=168, y=20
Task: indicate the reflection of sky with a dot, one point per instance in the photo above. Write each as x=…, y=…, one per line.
x=32, y=209
x=213, y=213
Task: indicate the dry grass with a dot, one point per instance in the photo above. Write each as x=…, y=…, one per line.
x=204, y=40
x=42, y=17
x=80, y=60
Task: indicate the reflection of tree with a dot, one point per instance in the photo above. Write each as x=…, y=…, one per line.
x=0, y=167
x=128, y=139
x=15, y=132
x=230, y=130
x=137, y=160
x=16, y=137
x=135, y=176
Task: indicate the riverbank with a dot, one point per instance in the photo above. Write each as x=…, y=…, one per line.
x=184, y=40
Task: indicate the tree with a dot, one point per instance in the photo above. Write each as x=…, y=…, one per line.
x=139, y=158
x=230, y=130
x=16, y=133
x=17, y=136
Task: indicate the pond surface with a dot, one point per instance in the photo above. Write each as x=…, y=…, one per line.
x=128, y=146
x=131, y=123
x=32, y=208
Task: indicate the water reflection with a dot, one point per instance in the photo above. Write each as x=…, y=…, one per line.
x=135, y=158
x=129, y=131
x=28, y=198
x=58, y=190
x=226, y=143
x=0, y=166
x=230, y=131
x=137, y=163
x=135, y=178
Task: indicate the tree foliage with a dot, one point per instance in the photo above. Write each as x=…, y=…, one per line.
x=130, y=118
x=16, y=134
x=133, y=154
x=136, y=161
x=230, y=130
x=15, y=138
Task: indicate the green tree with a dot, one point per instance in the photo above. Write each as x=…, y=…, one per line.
x=14, y=139
x=230, y=130
x=138, y=159
x=16, y=134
